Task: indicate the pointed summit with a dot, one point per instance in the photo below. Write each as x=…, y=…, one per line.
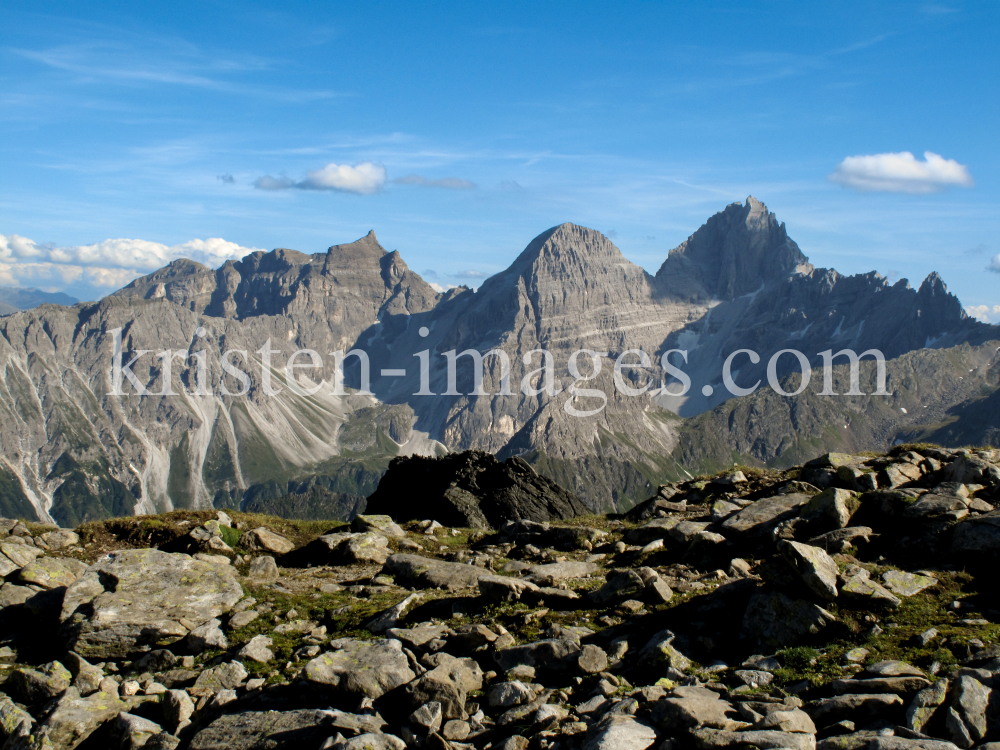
x=736, y=252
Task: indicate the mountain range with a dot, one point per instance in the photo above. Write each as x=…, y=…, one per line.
x=72, y=452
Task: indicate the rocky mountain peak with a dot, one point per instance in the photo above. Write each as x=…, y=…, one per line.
x=736, y=252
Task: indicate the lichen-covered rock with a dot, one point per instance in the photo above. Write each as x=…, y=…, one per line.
x=426, y=572
x=51, y=572
x=39, y=685
x=74, y=719
x=136, y=600
x=263, y=539
x=817, y=569
x=361, y=668
x=776, y=621
x=273, y=730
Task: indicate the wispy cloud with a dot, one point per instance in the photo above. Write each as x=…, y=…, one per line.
x=157, y=63
x=901, y=173
x=365, y=178
x=227, y=178
x=449, y=183
x=994, y=265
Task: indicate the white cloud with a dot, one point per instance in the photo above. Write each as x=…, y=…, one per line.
x=365, y=178
x=984, y=313
x=901, y=173
x=450, y=183
x=107, y=264
x=123, y=253
x=994, y=265
x=440, y=288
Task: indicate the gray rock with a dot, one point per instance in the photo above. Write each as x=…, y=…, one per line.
x=509, y=694
x=592, y=659
x=903, y=685
x=73, y=719
x=60, y=539
x=657, y=529
x=390, y=618
x=550, y=654
x=617, y=732
x=19, y=553
x=932, y=505
x=377, y=741
x=205, y=636
x=223, y=677
x=263, y=539
x=787, y=720
x=858, y=708
x=263, y=568
x=266, y=730
x=978, y=535
x=548, y=574
x=449, y=684
x=776, y=621
x=758, y=739
x=15, y=722
x=816, y=568
x=427, y=716
x=132, y=732
x=761, y=516
x=660, y=653
x=367, y=547
x=139, y=599
x=619, y=584
x=966, y=717
x=857, y=586
x=257, y=649
x=242, y=619
x=426, y=572
x=471, y=489
x=902, y=583
x=177, y=708
x=51, y=572
x=505, y=588
x=379, y=524
x=702, y=709
x=38, y=685
x=924, y=704
x=361, y=668
x=832, y=508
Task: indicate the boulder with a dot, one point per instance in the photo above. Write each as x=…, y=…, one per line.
x=361, y=668
x=832, y=508
x=131, y=732
x=73, y=719
x=263, y=539
x=966, y=715
x=620, y=732
x=760, y=517
x=979, y=535
x=350, y=548
x=549, y=573
x=553, y=654
x=136, y=600
x=38, y=685
x=51, y=572
x=263, y=569
x=816, y=568
x=426, y=572
x=471, y=489
x=856, y=586
x=449, y=684
x=775, y=621
x=273, y=730
x=379, y=524
x=903, y=583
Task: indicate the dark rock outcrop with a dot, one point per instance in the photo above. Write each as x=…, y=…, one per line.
x=471, y=489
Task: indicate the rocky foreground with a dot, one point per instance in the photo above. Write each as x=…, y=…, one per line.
x=849, y=603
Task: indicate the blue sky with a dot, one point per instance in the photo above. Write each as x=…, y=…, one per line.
x=134, y=133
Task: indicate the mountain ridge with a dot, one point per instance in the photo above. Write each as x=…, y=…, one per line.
x=569, y=289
